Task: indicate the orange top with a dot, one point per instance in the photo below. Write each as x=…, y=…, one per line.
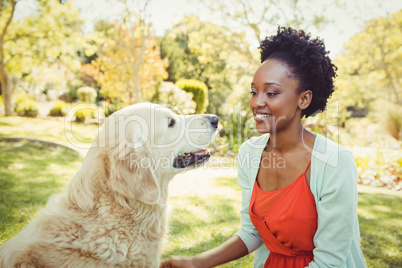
x=287, y=221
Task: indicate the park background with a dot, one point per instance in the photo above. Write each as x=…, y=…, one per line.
x=67, y=65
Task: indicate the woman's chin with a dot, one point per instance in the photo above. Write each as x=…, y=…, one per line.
x=263, y=130
x=263, y=127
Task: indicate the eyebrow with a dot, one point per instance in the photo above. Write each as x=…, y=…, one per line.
x=268, y=84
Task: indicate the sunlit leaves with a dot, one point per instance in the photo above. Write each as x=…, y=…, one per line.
x=129, y=62
x=213, y=54
x=371, y=65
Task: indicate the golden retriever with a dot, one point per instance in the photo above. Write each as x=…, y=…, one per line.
x=113, y=212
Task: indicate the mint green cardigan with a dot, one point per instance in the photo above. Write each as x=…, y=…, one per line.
x=333, y=182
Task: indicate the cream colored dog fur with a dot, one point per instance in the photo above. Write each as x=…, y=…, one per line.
x=113, y=212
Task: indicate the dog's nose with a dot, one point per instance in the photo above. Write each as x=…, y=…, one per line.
x=214, y=121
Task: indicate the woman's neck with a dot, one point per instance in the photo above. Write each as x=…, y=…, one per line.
x=287, y=140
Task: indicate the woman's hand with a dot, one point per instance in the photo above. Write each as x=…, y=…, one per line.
x=178, y=262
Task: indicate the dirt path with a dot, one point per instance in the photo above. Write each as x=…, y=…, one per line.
x=199, y=180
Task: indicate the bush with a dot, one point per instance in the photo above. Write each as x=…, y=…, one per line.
x=393, y=121
x=237, y=127
x=388, y=115
x=171, y=96
x=199, y=91
x=71, y=95
x=83, y=114
x=86, y=94
x=25, y=106
x=111, y=107
x=59, y=109
x=380, y=168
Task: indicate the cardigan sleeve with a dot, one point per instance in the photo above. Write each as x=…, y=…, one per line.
x=247, y=233
x=336, y=209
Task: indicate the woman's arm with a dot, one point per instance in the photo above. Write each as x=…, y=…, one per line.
x=245, y=241
x=336, y=209
x=232, y=249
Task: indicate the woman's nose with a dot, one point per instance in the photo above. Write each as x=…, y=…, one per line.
x=259, y=102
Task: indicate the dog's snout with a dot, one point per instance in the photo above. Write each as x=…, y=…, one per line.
x=214, y=121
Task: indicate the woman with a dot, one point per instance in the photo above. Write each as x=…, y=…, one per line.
x=299, y=189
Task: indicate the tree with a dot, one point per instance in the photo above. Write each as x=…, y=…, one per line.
x=7, y=9
x=261, y=16
x=129, y=62
x=208, y=53
x=370, y=67
x=49, y=36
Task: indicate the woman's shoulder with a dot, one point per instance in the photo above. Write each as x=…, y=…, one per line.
x=327, y=151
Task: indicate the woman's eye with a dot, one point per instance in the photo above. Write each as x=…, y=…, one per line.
x=171, y=122
x=271, y=94
x=253, y=93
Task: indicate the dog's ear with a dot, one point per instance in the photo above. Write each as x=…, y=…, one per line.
x=132, y=174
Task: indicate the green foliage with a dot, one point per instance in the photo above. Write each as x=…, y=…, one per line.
x=86, y=94
x=389, y=116
x=380, y=168
x=326, y=123
x=72, y=86
x=59, y=109
x=370, y=66
x=199, y=91
x=25, y=106
x=128, y=45
x=50, y=34
x=237, y=127
x=82, y=114
x=71, y=95
x=393, y=121
x=171, y=96
x=111, y=107
x=364, y=132
x=212, y=54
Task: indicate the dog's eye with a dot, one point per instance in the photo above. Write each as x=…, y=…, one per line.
x=171, y=122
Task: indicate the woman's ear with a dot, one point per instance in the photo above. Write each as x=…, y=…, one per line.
x=305, y=99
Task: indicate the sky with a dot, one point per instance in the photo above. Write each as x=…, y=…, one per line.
x=165, y=13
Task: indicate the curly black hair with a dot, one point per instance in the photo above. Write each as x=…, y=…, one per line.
x=308, y=61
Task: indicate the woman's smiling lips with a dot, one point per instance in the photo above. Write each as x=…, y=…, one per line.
x=261, y=116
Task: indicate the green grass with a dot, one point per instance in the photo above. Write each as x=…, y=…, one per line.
x=205, y=218
x=204, y=211
x=380, y=218
x=66, y=133
x=29, y=174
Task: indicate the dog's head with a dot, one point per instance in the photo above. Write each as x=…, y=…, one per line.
x=147, y=144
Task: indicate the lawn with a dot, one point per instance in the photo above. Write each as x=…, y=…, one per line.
x=380, y=218
x=70, y=134
x=204, y=208
x=29, y=173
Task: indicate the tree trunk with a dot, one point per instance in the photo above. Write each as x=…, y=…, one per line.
x=5, y=79
x=137, y=88
x=6, y=90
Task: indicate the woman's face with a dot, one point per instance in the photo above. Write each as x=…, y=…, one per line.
x=274, y=97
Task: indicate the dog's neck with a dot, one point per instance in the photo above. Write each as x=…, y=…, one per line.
x=91, y=183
